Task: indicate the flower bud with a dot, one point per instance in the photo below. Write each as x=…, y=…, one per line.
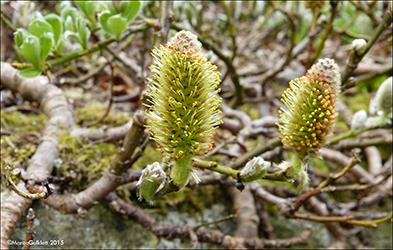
x=383, y=98
x=358, y=120
x=183, y=103
x=359, y=45
x=382, y=105
x=254, y=169
x=151, y=181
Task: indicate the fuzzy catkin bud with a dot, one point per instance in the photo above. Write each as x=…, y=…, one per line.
x=183, y=104
x=383, y=98
x=151, y=181
x=359, y=45
x=382, y=105
x=254, y=169
x=358, y=120
x=311, y=107
x=309, y=115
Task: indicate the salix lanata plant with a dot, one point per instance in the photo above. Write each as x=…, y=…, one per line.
x=309, y=115
x=183, y=103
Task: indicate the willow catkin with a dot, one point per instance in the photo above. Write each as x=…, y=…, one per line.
x=183, y=103
x=309, y=115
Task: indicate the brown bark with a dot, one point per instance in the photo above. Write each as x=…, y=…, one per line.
x=54, y=104
x=214, y=237
x=247, y=218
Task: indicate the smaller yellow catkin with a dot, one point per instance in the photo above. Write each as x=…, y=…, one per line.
x=309, y=115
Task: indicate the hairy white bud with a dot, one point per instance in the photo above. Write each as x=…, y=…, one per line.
x=152, y=180
x=254, y=169
x=359, y=45
x=358, y=120
x=382, y=105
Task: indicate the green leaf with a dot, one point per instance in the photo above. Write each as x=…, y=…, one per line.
x=69, y=33
x=84, y=32
x=55, y=21
x=20, y=36
x=105, y=15
x=111, y=7
x=123, y=6
x=117, y=25
x=129, y=10
x=69, y=24
x=32, y=51
x=101, y=6
x=89, y=8
x=69, y=11
x=38, y=15
x=38, y=27
x=59, y=45
x=29, y=73
x=81, y=5
x=64, y=4
x=46, y=46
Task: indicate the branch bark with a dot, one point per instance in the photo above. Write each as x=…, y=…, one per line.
x=54, y=104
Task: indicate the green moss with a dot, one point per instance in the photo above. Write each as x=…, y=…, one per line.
x=89, y=161
x=14, y=151
x=95, y=111
x=23, y=123
x=14, y=148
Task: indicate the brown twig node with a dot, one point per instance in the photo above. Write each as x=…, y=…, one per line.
x=29, y=231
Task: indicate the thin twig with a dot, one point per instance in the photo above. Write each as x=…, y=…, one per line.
x=300, y=199
x=29, y=231
x=232, y=72
x=371, y=223
x=325, y=35
x=310, y=217
x=205, y=224
x=288, y=55
x=37, y=196
x=7, y=22
x=354, y=59
x=260, y=149
x=111, y=84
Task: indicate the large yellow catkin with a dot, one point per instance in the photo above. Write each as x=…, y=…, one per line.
x=183, y=102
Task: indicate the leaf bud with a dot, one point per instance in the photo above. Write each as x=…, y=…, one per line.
x=359, y=46
x=151, y=181
x=358, y=120
x=254, y=169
